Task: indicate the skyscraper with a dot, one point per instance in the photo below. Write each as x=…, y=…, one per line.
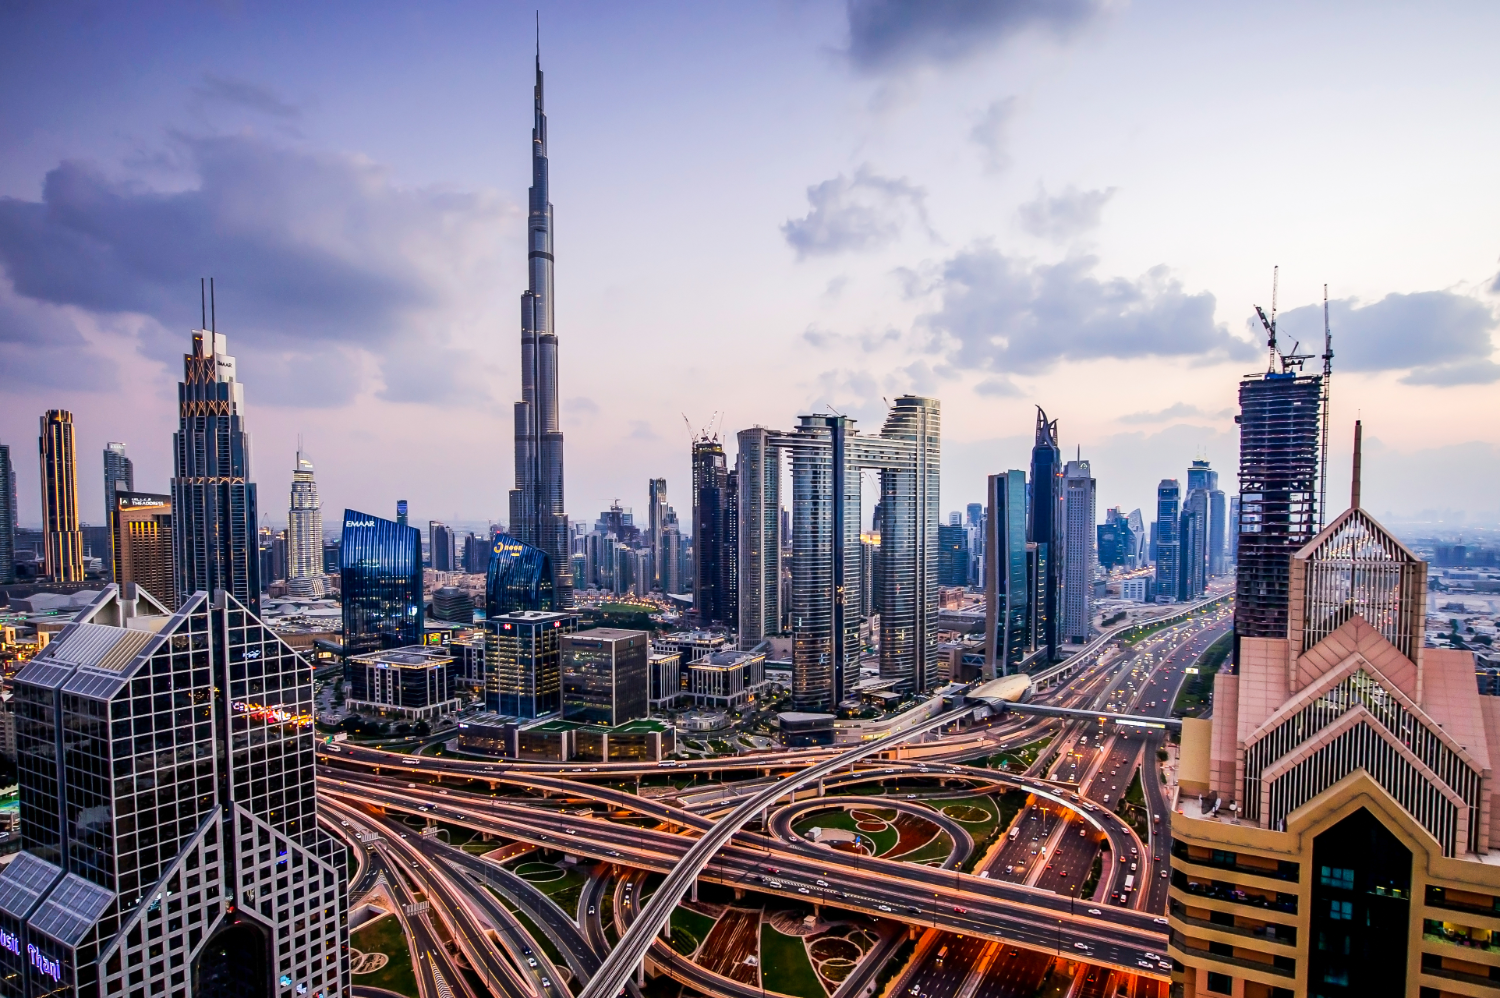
x=711, y=507
x=1168, y=557
x=441, y=548
x=214, y=512
x=380, y=582
x=1043, y=527
x=304, y=533
x=142, y=544
x=523, y=662
x=952, y=554
x=1006, y=586
x=1279, y=440
x=520, y=577
x=197, y=867
x=62, y=541
x=1192, y=545
x=536, y=503
x=1080, y=553
x=656, y=523
x=1114, y=540
x=119, y=476
x=1201, y=476
x=7, y=517
x=758, y=468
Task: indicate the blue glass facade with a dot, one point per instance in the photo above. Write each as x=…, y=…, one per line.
x=519, y=578
x=380, y=567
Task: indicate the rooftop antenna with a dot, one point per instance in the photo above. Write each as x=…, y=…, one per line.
x=202, y=303
x=1327, y=403
x=213, y=321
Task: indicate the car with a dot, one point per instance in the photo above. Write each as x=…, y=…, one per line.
x=822, y=883
x=612, y=853
x=885, y=907
x=530, y=961
x=1159, y=921
x=1132, y=850
x=911, y=796
x=1095, y=911
x=1124, y=858
x=960, y=911
x=774, y=869
x=914, y=990
x=591, y=909
x=1082, y=946
x=984, y=874
x=1164, y=873
x=1164, y=964
x=1106, y=798
x=546, y=983
x=803, y=890
x=1150, y=956
x=843, y=894
x=1143, y=963
x=423, y=807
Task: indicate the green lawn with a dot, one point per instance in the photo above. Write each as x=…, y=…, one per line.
x=1018, y=760
x=689, y=929
x=384, y=935
x=1193, y=698
x=843, y=819
x=978, y=829
x=565, y=890
x=938, y=849
x=784, y=965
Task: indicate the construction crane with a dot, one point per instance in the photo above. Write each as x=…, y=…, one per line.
x=1288, y=360
x=1327, y=411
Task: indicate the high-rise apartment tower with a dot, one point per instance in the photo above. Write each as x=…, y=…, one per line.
x=304, y=533
x=1044, y=528
x=1080, y=553
x=62, y=541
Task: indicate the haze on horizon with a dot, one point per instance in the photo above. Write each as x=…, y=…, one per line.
x=760, y=212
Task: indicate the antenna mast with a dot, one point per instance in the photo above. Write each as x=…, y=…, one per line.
x=1327, y=402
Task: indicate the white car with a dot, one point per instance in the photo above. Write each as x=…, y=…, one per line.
x=1095, y=911
x=1082, y=946
x=885, y=907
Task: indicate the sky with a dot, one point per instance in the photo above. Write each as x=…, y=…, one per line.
x=761, y=211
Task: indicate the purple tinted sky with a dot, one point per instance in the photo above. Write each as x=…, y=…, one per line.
x=760, y=210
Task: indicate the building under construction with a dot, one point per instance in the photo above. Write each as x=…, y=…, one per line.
x=1280, y=427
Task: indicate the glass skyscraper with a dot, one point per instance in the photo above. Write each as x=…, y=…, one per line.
x=213, y=500
x=170, y=844
x=1044, y=528
x=523, y=662
x=62, y=541
x=7, y=517
x=604, y=675
x=1080, y=555
x=759, y=466
x=519, y=578
x=381, y=583
x=1007, y=586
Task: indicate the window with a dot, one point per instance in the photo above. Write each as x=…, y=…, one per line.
x=1340, y=911
x=1220, y=984
x=1337, y=876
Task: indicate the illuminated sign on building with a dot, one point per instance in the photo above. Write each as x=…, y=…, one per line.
x=45, y=964
x=359, y=523
x=10, y=941
x=276, y=715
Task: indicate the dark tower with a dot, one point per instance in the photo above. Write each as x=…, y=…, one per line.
x=536, y=503
x=1042, y=525
x=714, y=505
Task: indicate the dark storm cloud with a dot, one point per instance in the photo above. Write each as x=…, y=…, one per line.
x=41, y=347
x=866, y=211
x=890, y=35
x=1012, y=316
x=1063, y=216
x=1439, y=337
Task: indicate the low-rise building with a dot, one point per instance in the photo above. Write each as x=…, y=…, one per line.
x=666, y=679
x=557, y=740
x=414, y=682
x=727, y=680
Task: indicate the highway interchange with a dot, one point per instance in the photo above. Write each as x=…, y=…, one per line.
x=1000, y=928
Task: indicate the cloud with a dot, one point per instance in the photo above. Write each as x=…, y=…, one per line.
x=316, y=254
x=1009, y=315
x=892, y=35
x=864, y=212
x=991, y=133
x=1440, y=337
x=640, y=429
x=1177, y=410
x=1065, y=216
x=41, y=346
x=246, y=94
x=580, y=405
x=997, y=388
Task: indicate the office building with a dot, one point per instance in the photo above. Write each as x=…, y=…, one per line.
x=1135, y=589
x=380, y=583
x=62, y=541
x=1201, y=476
x=142, y=544
x=665, y=678
x=952, y=554
x=453, y=604
x=214, y=509
x=758, y=472
x=401, y=512
x=537, y=516
x=1007, y=587
x=414, y=683
x=523, y=662
x=7, y=517
x=1345, y=842
x=656, y=525
x=715, y=528
x=520, y=577
x=691, y=645
x=829, y=458
x=1279, y=441
x=1192, y=546
x=199, y=867
x=476, y=554
x=1165, y=530
x=727, y=680
x=119, y=476
x=1044, y=527
x=304, y=533
x=604, y=676
x=1139, y=552
x=442, y=548
x=1080, y=556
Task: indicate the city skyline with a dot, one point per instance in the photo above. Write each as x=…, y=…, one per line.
x=837, y=325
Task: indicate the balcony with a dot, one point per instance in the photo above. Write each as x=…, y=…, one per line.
x=1468, y=973
x=1220, y=860
x=1281, y=966
x=1453, y=900
x=1460, y=936
x=1217, y=890
x=1284, y=935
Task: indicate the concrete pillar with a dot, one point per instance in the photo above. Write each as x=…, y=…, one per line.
x=640, y=974
x=820, y=786
x=739, y=893
x=695, y=891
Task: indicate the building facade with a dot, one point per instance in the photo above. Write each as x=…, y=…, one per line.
x=442, y=547
x=523, y=662
x=142, y=546
x=1044, y=526
x=119, y=476
x=520, y=577
x=1192, y=546
x=214, y=510
x=758, y=468
x=1007, y=589
x=727, y=680
x=604, y=676
x=715, y=527
x=62, y=541
x=199, y=867
x=380, y=583
x=1168, y=553
x=1338, y=834
x=952, y=555
x=7, y=517
x=416, y=683
x=1080, y=555
x=656, y=525
x=304, y=533
x=537, y=515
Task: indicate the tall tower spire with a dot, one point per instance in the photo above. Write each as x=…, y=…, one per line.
x=536, y=503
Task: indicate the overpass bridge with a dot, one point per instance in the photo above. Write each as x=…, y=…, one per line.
x=1088, y=653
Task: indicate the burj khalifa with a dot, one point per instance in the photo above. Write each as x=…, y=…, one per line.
x=536, y=503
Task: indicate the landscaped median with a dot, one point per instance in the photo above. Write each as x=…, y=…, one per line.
x=380, y=957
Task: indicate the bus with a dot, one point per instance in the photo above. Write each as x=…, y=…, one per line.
x=941, y=954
